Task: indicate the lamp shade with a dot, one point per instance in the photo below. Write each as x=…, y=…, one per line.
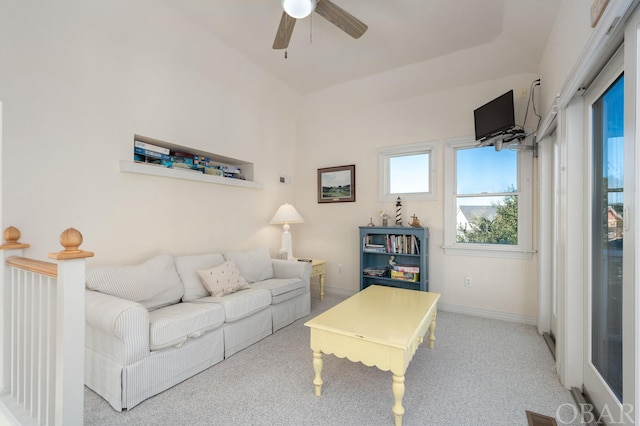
x=286, y=214
x=299, y=8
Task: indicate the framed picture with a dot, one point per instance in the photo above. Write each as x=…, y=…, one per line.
x=337, y=184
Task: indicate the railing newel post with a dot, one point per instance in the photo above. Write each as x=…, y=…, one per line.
x=70, y=328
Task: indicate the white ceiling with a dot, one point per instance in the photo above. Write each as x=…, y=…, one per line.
x=401, y=32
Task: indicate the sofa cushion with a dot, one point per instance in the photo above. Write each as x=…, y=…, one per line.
x=282, y=288
x=240, y=304
x=154, y=283
x=223, y=279
x=173, y=325
x=188, y=267
x=254, y=265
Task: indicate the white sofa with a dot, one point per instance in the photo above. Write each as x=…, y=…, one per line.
x=153, y=325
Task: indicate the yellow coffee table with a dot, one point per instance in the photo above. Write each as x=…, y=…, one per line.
x=381, y=326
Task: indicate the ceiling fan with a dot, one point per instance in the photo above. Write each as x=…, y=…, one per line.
x=297, y=9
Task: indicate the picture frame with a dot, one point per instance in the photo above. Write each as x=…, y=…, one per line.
x=337, y=184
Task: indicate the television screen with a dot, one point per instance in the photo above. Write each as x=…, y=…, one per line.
x=495, y=116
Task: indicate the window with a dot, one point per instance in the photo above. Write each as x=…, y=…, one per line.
x=408, y=171
x=488, y=205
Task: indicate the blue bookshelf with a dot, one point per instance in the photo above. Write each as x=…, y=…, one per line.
x=395, y=256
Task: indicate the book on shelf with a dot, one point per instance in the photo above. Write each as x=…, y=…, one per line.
x=415, y=247
x=374, y=248
x=375, y=272
x=407, y=268
x=405, y=276
x=153, y=154
x=396, y=244
x=151, y=147
x=402, y=244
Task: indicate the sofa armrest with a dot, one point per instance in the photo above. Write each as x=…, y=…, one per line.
x=116, y=328
x=292, y=269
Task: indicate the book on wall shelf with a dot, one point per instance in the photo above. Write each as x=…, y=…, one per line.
x=150, y=147
x=145, y=152
x=394, y=256
x=154, y=157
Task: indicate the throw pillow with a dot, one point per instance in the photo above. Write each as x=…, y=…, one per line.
x=154, y=283
x=223, y=279
x=254, y=265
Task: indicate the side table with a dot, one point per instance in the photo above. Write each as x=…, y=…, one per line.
x=318, y=270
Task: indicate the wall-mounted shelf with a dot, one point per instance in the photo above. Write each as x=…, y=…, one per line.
x=158, y=158
x=156, y=170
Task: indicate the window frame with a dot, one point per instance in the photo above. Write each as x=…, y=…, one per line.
x=385, y=153
x=524, y=249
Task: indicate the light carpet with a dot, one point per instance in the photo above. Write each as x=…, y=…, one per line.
x=481, y=372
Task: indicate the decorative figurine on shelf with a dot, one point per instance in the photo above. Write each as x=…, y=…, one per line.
x=416, y=221
x=398, y=212
x=370, y=222
x=392, y=261
x=384, y=216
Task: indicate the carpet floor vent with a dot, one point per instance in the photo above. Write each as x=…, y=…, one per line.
x=536, y=419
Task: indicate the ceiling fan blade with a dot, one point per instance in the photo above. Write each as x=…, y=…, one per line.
x=341, y=18
x=285, y=29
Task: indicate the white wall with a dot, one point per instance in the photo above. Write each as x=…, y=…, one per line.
x=79, y=78
x=347, y=125
x=567, y=39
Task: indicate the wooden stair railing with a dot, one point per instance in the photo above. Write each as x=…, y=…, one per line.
x=42, y=332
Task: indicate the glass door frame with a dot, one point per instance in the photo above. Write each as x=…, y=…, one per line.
x=604, y=400
x=594, y=384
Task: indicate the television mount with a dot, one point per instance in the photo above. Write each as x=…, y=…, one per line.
x=512, y=139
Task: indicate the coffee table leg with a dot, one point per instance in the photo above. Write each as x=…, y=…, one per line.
x=317, y=366
x=432, y=331
x=398, y=393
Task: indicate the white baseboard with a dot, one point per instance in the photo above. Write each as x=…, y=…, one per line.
x=335, y=291
x=487, y=313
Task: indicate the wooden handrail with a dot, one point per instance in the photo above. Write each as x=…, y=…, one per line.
x=38, y=266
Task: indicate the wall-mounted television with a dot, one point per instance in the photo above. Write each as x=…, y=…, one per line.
x=494, y=117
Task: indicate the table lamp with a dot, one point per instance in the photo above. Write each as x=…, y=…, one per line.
x=285, y=215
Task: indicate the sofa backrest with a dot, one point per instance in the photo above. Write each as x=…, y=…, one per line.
x=188, y=267
x=254, y=265
x=154, y=283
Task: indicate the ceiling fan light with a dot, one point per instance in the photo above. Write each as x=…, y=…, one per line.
x=299, y=8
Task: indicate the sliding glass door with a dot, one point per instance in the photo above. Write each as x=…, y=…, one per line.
x=609, y=369
x=607, y=237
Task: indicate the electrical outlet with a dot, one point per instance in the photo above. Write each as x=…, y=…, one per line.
x=467, y=281
x=340, y=267
x=522, y=93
